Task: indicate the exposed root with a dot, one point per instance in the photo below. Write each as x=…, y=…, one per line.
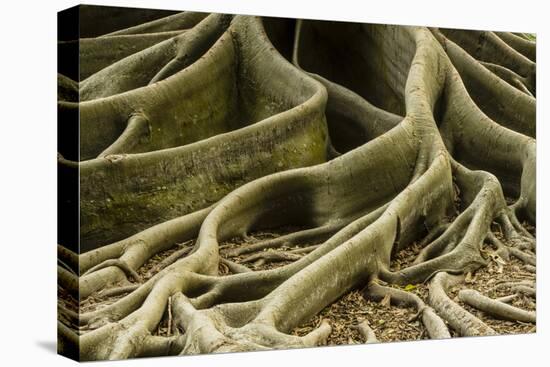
x=67, y=280
x=288, y=240
x=169, y=316
x=528, y=291
x=458, y=318
x=509, y=76
x=171, y=259
x=234, y=267
x=116, y=291
x=449, y=236
x=68, y=259
x=208, y=332
x=136, y=250
x=508, y=284
x=183, y=20
x=522, y=44
x=507, y=299
x=162, y=346
x=434, y=325
x=215, y=152
x=494, y=307
x=119, y=264
x=501, y=250
x=69, y=317
x=304, y=250
x=197, y=41
x=514, y=232
x=270, y=256
x=433, y=234
x=366, y=332
x=137, y=130
x=526, y=258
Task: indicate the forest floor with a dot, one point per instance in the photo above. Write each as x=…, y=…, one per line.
x=390, y=323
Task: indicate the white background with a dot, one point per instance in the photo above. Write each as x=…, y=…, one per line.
x=28, y=181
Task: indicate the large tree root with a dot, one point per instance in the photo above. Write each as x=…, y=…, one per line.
x=494, y=307
x=98, y=53
x=67, y=259
x=373, y=139
x=459, y=319
x=434, y=325
x=183, y=20
x=526, y=258
x=134, y=251
x=366, y=331
x=67, y=280
x=290, y=132
x=289, y=240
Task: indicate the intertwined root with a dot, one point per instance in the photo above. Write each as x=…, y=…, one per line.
x=192, y=168
x=495, y=307
x=457, y=317
x=223, y=329
x=432, y=322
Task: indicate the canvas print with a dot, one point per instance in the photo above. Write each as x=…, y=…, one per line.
x=233, y=183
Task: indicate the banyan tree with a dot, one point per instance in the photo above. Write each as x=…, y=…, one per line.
x=239, y=174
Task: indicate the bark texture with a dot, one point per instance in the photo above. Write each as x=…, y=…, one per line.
x=196, y=129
